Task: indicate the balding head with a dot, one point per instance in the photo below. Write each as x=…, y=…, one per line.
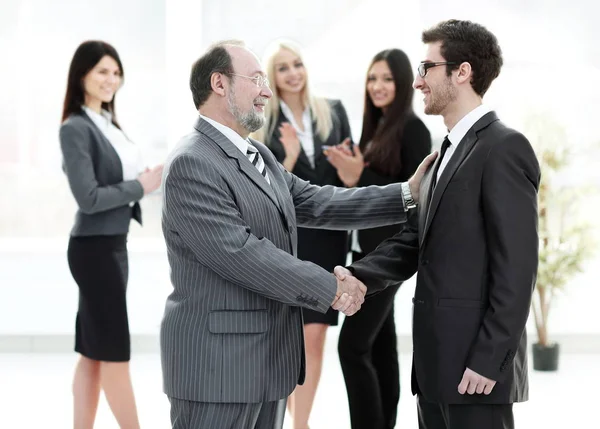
x=229, y=86
x=217, y=59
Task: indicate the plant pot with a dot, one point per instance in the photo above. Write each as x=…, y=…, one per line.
x=545, y=358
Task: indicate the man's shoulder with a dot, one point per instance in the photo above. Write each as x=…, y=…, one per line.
x=498, y=131
x=195, y=146
x=504, y=142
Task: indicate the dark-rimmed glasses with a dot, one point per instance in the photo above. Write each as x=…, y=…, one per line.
x=423, y=67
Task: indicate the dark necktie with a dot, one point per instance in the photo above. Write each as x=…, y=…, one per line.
x=445, y=145
x=256, y=160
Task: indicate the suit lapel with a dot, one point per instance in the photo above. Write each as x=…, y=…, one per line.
x=234, y=153
x=425, y=195
x=460, y=154
x=321, y=163
x=278, y=184
x=109, y=149
x=318, y=145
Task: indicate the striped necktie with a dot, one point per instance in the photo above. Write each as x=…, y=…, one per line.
x=257, y=161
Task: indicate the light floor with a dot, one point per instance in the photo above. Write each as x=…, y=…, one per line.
x=35, y=393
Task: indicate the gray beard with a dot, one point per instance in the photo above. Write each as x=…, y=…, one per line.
x=251, y=121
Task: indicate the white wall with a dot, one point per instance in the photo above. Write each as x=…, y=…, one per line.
x=39, y=297
x=552, y=66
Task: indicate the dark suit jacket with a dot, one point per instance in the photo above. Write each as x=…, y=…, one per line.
x=415, y=146
x=324, y=247
x=95, y=175
x=475, y=246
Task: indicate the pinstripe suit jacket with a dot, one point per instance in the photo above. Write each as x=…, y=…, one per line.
x=232, y=328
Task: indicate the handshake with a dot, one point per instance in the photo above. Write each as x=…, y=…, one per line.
x=350, y=292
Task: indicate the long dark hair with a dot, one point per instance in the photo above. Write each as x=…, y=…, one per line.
x=383, y=154
x=87, y=55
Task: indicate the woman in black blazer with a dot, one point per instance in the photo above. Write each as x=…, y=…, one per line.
x=107, y=180
x=299, y=125
x=394, y=141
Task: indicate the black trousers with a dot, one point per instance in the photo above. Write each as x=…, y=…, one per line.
x=205, y=415
x=467, y=416
x=369, y=358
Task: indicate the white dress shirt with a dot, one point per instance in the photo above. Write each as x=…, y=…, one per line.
x=459, y=132
x=128, y=152
x=306, y=137
x=239, y=142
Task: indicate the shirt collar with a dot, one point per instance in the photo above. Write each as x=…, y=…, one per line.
x=239, y=142
x=466, y=123
x=290, y=115
x=102, y=119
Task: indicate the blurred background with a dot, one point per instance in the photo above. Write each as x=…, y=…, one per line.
x=549, y=89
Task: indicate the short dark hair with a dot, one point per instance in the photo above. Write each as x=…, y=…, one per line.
x=216, y=60
x=466, y=41
x=85, y=58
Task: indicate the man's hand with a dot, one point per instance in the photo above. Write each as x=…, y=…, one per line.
x=341, y=272
x=350, y=294
x=415, y=181
x=474, y=383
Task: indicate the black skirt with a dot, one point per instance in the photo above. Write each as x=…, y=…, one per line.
x=99, y=265
x=327, y=249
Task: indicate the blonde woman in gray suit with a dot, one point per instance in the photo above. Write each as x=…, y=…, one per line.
x=107, y=180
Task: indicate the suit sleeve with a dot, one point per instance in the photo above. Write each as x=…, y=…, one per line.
x=204, y=214
x=91, y=198
x=336, y=208
x=510, y=183
x=395, y=260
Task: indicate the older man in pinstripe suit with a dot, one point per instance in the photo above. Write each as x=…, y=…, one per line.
x=231, y=338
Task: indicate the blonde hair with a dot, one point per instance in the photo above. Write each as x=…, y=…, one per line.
x=319, y=106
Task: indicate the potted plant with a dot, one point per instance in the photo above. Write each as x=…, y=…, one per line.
x=564, y=238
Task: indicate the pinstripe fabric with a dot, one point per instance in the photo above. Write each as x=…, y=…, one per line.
x=232, y=328
x=200, y=415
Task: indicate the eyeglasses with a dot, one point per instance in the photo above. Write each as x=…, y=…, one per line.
x=423, y=67
x=260, y=81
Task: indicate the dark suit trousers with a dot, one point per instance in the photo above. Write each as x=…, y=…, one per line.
x=205, y=415
x=369, y=359
x=467, y=416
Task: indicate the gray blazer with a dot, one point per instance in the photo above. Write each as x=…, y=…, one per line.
x=95, y=175
x=232, y=328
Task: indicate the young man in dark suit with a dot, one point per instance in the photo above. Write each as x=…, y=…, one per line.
x=473, y=241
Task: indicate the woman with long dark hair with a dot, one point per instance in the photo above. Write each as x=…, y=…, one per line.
x=107, y=180
x=394, y=141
